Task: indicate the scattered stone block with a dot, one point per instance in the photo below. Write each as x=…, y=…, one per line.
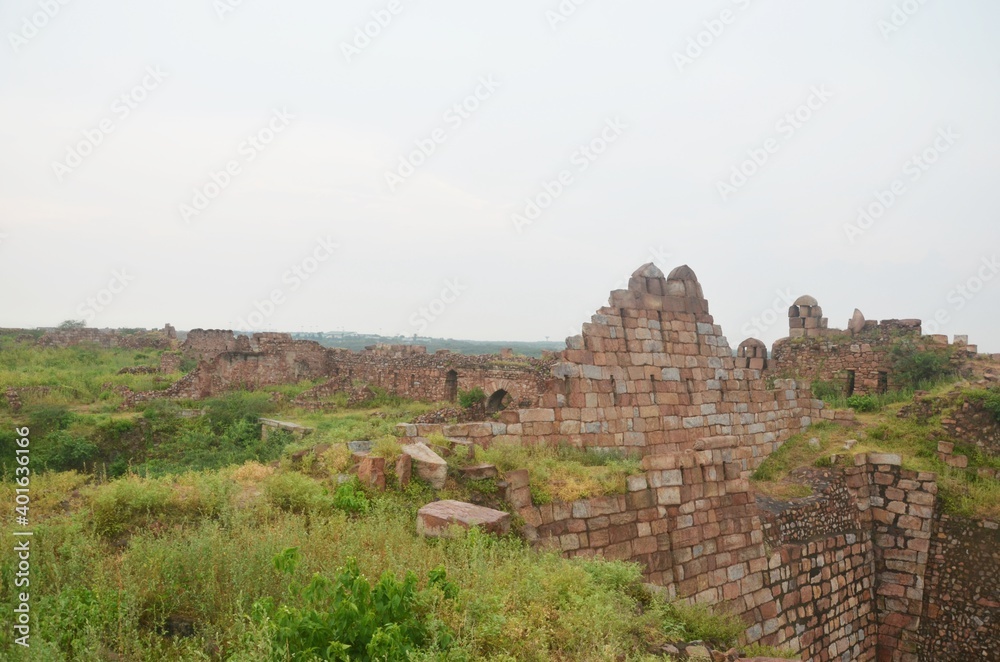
x=404, y=469
x=435, y=519
x=479, y=471
x=429, y=465
x=371, y=472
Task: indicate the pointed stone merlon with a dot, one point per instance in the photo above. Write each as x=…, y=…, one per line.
x=436, y=519
x=428, y=465
x=649, y=289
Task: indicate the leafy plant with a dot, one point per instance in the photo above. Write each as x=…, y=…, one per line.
x=348, y=618
x=350, y=498
x=914, y=367
x=863, y=403
x=471, y=397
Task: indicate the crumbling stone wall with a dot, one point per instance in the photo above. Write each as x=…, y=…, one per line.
x=815, y=351
x=652, y=373
x=962, y=592
x=410, y=372
x=156, y=339
x=228, y=361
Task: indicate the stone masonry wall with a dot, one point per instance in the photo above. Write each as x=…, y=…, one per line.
x=962, y=592
x=652, y=373
x=228, y=361
x=157, y=339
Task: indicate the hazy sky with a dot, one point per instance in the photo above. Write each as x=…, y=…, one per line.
x=382, y=183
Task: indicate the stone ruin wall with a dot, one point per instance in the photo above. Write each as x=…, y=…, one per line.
x=157, y=339
x=962, y=596
x=652, y=373
x=813, y=350
x=845, y=575
x=228, y=361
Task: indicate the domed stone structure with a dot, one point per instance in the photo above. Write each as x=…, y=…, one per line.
x=805, y=318
x=752, y=354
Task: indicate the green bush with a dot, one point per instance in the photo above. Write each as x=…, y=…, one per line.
x=236, y=406
x=863, y=403
x=471, y=397
x=914, y=367
x=825, y=390
x=62, y=451
x=349, y=618
x=350, y=498
x=49, y=418
x=294, y=492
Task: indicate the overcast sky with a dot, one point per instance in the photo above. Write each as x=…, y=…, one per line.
x=382, y=183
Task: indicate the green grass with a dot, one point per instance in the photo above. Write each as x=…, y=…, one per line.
x=118, y=565
x=961, y=491
x=74, y=375
x=559, y=473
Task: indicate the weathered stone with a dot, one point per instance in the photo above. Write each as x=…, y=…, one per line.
x=434, y=519
x=428, y=464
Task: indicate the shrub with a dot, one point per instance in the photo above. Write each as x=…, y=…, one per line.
x=387, y=447
x=294, y=492
x=62, y=451
x=348, y=618
x=49, y=418
x=825, y=390
x=236, y=406
x=471, y=397
x=915, y=367
x=350, y=498
x=863, y=403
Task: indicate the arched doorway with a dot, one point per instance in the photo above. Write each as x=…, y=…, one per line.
x=451, y=386
x=499, y=401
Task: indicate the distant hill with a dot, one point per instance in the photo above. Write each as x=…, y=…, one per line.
x=358, y=341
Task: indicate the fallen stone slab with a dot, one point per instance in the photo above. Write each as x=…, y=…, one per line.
x=434, y=519
x=429, y=465
x=269, y=424
x=479, y=471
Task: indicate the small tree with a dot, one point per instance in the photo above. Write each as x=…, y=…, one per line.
x=73, y=324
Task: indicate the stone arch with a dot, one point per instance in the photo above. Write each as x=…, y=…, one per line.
x=498, y=401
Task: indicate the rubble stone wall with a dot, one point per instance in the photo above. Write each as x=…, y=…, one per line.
x=962, y=592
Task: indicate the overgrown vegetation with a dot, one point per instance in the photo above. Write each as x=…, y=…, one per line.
x=183, y=567
x=560, y=472
x=962, y=491
x=471, y=397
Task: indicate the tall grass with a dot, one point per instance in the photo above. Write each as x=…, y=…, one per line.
x=169, y=569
